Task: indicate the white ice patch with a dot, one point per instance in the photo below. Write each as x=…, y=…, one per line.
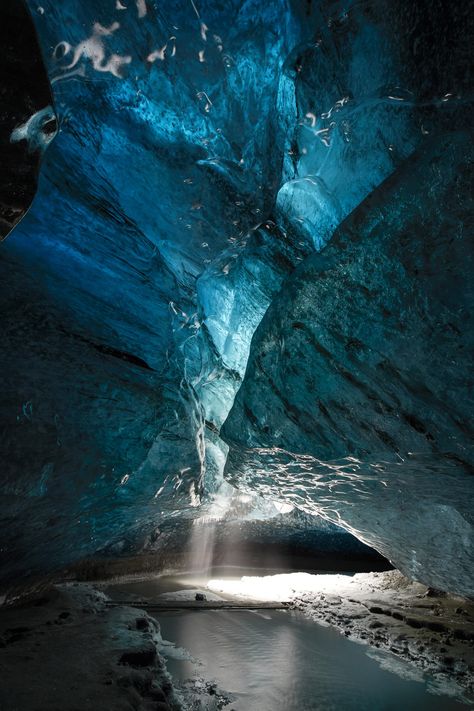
x=391, y=663
x=32, y=130
x=93, y=48
x=142, y=8
x=171, y=651
x=157, y=54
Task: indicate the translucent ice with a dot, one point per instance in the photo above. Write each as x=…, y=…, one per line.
x=205, y=151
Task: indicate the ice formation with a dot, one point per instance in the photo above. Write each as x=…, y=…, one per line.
x=216, y=164
x=359, y=369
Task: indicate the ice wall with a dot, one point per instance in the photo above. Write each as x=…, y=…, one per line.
x=357, y=402
x=204, y=151
x=169, y=150
x=357, y=399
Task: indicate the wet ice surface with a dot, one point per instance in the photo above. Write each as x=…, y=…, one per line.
x=278, y=660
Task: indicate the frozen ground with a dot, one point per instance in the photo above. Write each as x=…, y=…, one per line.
x=64, y=650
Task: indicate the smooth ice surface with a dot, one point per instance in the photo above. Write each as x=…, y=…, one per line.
x=204, y=151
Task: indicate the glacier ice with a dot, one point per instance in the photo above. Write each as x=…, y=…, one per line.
x=157, y=169
x=357, y=403
x=206, y=151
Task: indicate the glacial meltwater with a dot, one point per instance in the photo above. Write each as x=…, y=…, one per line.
x=279, y=660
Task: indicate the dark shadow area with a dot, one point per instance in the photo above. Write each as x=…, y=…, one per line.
x=24, y=91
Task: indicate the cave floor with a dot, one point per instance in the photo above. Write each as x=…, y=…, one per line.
x=423, y=632
x=64, y=650
x=273, y=660
x=73, y=648
x=433, y=631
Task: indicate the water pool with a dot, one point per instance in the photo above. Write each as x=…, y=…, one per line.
x=281, y=661
x=275, y=660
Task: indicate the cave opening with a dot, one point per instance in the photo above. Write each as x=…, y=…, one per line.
x=236, y=392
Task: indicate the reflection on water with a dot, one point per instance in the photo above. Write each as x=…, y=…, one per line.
x=280, y=661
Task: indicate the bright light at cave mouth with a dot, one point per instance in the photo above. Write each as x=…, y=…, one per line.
x=278, y=588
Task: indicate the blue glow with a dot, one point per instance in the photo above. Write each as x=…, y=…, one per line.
x=205, y=152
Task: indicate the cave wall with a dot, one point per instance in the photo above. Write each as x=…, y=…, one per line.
x=357, y=401
x=204, y=153
x=147, y=180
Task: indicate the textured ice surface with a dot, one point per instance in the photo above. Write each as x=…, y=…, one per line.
x=169, y=150
x=360, y=367
x=204, y=151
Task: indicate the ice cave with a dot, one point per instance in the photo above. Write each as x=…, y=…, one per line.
x=236, y=399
